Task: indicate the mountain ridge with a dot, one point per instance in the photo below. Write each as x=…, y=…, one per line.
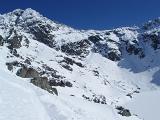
x=79, y=74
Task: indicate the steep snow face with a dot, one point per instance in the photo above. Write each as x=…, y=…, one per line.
x=18, y=101
x=80, y=75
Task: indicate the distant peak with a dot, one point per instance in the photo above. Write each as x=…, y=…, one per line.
x=27, y=12
x=152, y=24
x=30, y=10
x=17, y=12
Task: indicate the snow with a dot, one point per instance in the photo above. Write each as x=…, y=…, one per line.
x=18, y=101
x=146, y=105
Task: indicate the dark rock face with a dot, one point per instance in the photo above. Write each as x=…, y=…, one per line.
x=14, y=52
x=151, y=24
x=1, y=40
x=135, y=49
x=123, y=111
x=48, y=71
x=10, y=65
x=114, y=56
x=96, y=73
x=70, y=61
x=60, y=83
x=79, y=48
x=25, y=72
x=42, y=33
x=96, y=99
x=67, y=67
x=27, y=61
x=100, y=99
x=154, y=38
x=43, y=83
x=94, y=39
x=105, y=50
x=15, y=41
x=67, y=62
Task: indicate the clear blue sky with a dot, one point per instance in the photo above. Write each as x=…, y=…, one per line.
x=90, y=14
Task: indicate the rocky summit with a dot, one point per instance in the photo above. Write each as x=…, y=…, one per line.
x=50, y=71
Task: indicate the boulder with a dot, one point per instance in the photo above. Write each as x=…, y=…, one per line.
x=123, y=111
x=26, y=72
x=60, y=83
x=10, y=65
x=43, y=83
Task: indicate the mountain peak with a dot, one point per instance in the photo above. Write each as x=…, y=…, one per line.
x=151, y=24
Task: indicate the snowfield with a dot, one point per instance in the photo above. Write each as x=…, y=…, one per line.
x=18, y=101
x=145, y=103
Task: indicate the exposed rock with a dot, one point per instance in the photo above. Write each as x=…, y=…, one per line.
x=79, y=48
x=96, y=99
x=154, y=38
x=1, y=40
x=26, y=72
x=99, y=99
x=96, y=73
x=14, y=52
x=61, y=83
x=151, y=24
x=14, y=41
x=123, y=111
x=107, y=51
x=70, y=61
x=43, y=83
x=135, y=49
x=66, y=67
x=42, y=33
x=10, y=65
x=95, y=38
x=48, y=71
x=114, y=55
x=27, y=61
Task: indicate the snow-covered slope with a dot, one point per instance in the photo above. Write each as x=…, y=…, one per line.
x=50, y=71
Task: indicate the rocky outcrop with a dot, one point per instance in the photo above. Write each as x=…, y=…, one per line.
x=68, y=62
x=135, y=49
x=122, y=111
x=26, y=72
x=43, y=83
x=94, y=39
x=79, y=48
x=14, y=40
x=1, y=40
x=151, y=24
x=96, y=99
x=10, y=65
x=153, y=38
x=103, y=47
x=114, y=55
x=61, y=83
x=42, y=33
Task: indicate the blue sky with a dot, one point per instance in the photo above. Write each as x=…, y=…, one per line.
x=90, y=14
